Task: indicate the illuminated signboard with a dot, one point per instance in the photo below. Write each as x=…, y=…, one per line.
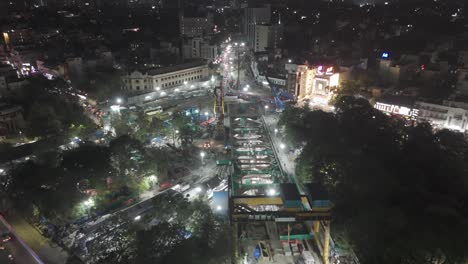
x=321, y=70
x=397, y=110
x=385, y=55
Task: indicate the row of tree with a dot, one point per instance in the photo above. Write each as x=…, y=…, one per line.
x=56, y=185
x=400, y=190
x=175, y=231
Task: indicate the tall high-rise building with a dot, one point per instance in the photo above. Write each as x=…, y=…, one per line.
x=255, y=16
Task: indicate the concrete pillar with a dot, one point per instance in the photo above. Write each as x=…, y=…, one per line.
x=326, y=242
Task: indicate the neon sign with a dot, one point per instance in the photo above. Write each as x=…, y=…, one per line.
x=385, y=55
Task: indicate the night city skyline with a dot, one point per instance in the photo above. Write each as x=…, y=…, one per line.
x=233, y=131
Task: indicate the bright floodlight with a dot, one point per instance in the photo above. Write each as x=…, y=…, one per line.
x=138, y=217
x=157, y=88
x=202, y=154
x=271, y=192
x=289, y=61
x=219, y=208
x=118, y=100
x=266, y=106
x=276, y=130
x=242, y=44
x=245, y=89
x=235, y=44
x=212, y=78
x=282, y=146
x=177, y=131
x=198, y=189
x=163, y=93
x=185, y=82
x=206, y=113
x=192, y=86
x=176, y=90
x=89, y=202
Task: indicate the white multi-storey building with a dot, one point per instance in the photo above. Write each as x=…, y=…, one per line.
x=199, y=48
x=450, y=115
x=166, y=77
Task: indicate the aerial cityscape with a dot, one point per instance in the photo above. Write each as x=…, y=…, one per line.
x=233, y=131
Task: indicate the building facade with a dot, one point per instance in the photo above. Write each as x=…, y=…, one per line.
x=196, y=26
x=167, y=77
x=199, y=48
x=313, y=83
x=261, y=38
x=255, y=16
x=11, y=119
x=443, y=116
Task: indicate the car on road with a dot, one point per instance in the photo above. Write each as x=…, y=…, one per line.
x=6, y=237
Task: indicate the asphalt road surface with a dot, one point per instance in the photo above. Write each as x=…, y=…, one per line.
x=15, y=247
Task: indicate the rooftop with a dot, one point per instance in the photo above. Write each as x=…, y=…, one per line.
x=177, y=67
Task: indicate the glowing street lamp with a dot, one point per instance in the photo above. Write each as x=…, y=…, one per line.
x=206, y=113
x=271, y=192
x=276, y=131
x=185, y=82
x=89, y=203
x=219, y=208
x=282, y=146
x=157, y=88
x=202, y=155
x=118, y=100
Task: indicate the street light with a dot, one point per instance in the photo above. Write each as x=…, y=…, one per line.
x=118, y=100
x=206, y=113
x=242, y=44
x=202, y=155
x=157, y=88
x=88, y=204
x=176, y=89
x=138, y=217
x=271, y=192
x=289, y=61
x=276, y=131
x=152, y=180
x=219, y=208
x=282, y=146
x=185, y=82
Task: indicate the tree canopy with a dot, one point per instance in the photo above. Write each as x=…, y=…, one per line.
x=400, y=190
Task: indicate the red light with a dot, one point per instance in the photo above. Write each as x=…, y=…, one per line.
x=423, y=67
